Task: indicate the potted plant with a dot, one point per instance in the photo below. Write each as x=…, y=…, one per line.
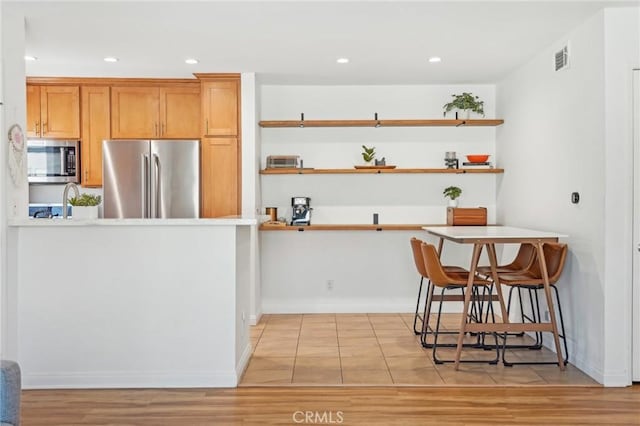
x=466, y=102
x=85, y=206
x=453, y=192
x=368, y=155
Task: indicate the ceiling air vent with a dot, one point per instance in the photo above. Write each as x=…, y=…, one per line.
x=562, y=58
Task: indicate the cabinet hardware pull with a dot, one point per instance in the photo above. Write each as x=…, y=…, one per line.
x=37, y=128
x=162, y=129
x=44, y=128
x=155, y=131
x=207, y=127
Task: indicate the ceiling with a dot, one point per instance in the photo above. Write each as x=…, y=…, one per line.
x=297, y=42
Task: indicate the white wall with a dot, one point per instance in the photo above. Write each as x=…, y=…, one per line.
x=13, y=194
x=354, y=198
x=243, y=282
x=622, y=54
x=371, y=271
x=555, y=141
x=3, y=227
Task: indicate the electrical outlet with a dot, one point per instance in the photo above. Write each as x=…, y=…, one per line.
x=329, y=285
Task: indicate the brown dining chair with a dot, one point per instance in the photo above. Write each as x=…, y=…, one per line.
x=555, y=255
x=422, y=271
x=523, y=260
x=451, y=280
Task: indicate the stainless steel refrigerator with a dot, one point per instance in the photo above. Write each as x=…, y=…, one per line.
x=151, y=178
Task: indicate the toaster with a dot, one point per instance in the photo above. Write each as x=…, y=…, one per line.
x=282, y=161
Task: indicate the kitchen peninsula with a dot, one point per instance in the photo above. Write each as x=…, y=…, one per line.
x=131, y=302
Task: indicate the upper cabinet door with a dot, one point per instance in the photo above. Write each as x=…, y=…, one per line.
x=33, y=111
x=60, y=112
x=135, y=112
x=53, y=112
x=180, y=112
x=220, y=108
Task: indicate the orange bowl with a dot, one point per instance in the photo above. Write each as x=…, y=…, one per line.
x=477, y=158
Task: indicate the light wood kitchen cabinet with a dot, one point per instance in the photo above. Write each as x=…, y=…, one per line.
x=219, y=175
x=96, y=124
x=180, y=112
x=53, y=112
x=220, y=108
x=135, y=112
x=220, y=145
x=155, y=112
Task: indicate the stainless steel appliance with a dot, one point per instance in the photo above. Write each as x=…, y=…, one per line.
x=53, y=161
x=450, y=160
x=301, y=211
x=282, y=161
x=151, y=178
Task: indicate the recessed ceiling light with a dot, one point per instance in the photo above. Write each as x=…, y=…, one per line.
x=343, y=60
x=435, y=59
x=30, y=58
x=191, y=61
x=110, y=59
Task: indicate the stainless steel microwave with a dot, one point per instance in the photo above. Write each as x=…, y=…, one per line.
x=53, y=161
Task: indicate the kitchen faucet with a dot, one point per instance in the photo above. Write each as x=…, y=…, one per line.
x=65, y=194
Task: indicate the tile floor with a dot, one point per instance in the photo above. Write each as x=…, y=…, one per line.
x=381, y=349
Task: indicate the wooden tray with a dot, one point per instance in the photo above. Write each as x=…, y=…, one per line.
x=375, y=167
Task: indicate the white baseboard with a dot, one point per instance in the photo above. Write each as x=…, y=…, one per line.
x=254, y=319
x=615, y=379
x=243, y=362
x=581, y=364
x=89, y=380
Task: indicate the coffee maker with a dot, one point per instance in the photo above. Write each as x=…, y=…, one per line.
x=301, y=211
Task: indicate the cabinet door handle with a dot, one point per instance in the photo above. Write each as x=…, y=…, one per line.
x=37, y=128
x=86, y=175
x=162, y=129
x=155, y=131
x=206, y=132
x=44, y=128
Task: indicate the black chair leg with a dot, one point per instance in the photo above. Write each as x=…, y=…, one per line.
x=417, y=314
x=435, y=345
x=539, y=338
x=539, y=341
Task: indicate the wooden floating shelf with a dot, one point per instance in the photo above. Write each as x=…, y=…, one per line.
x=346, y=227
x=382, y=123
x=294, y=171
x=349, y=227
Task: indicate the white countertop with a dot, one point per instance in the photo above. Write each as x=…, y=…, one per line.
x=225, y=221
x=490, y=233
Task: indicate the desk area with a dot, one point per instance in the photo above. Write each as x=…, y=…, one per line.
x=486, y=237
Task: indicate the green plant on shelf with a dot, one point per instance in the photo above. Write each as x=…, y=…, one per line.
x=452, y=192
x=85, y=200
x=465, y=102
x=368, y=154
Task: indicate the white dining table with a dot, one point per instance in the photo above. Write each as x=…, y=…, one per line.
x=488, y=236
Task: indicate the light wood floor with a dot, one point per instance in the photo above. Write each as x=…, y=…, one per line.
x=355, y=406
x=381, y=349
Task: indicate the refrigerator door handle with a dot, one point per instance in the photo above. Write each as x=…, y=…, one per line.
x=145, y=185
x=156, y=161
